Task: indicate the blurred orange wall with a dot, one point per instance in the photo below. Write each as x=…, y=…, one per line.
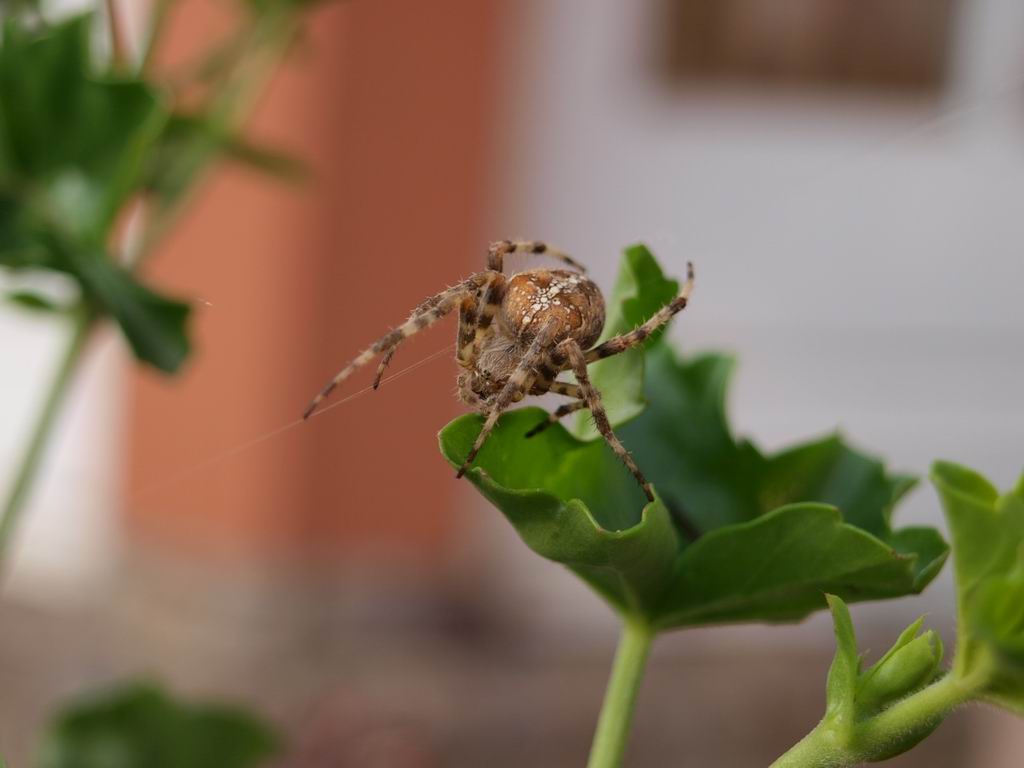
x=390, y=105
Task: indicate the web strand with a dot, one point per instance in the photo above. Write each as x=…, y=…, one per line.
x=235, y=450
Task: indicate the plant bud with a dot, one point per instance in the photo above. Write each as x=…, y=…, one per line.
x=908, y=667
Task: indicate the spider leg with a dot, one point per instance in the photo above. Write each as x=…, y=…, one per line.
x=577, y=360
x=437, y=307
x=385, y=361
x=556, y=415
x=515, y=388
x=498, y=250
x=493, y=297
x=468, y=322
x=618, y=344
x=566, y=388
x=467, y=309
x=478, y=325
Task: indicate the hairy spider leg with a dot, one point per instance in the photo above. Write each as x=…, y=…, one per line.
x=559, y=413
x=425, y=306
x=439, y=306
x=578, y=362
x=470, y=313
x=638, y=335
x=566, y=388
x=493, y=295
x=469, y=309
x=384, y=363
x=515, y=388
x=498, y=250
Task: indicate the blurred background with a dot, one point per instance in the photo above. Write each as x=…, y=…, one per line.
x=847, y=176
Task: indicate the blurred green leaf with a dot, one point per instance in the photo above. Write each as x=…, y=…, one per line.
x=191, y=138
x=34, y=302
x=762, y=556
x=999, y=615
x=57, y=117
x=140, y=726
x=269, y=160
x=11, y=8
x=276, y=6
x=72, y=146
x=155, y=325
x=987, y=530
x=17, y=248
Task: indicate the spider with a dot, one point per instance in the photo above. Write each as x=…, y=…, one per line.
x=516, y=334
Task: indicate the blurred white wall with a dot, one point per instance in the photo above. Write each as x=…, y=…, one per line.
x=861, y=256
x=65, y=540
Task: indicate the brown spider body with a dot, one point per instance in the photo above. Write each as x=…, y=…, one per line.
x=567, y=302
x=516, y=334
x=541, y=296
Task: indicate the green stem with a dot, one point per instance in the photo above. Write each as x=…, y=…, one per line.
x=924, y=710
x=813, y=750
x=158, y=18
x=260, y=50
x=878, y=737
x=818, y=749
x=617, y=711
x=26, y=472
x=118, y=55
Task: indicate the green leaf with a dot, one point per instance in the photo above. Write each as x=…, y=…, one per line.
x=987, y=529
x=698, y=468
x=34, y=302
x=999, y=616
x=155, y=325
x=988, y=557
x=12, y=8
x=189, y=140
x=72, y=143
x=998, y=624
x=57, y=118
x=269, y=160
x=276, y=6
x=17, y=248
x=833, y=472
x=762, y=556
x=685, y=445
x=640, y=291
x=775, y=568
x=628, y=561
x=841, y=688
x=140, y=725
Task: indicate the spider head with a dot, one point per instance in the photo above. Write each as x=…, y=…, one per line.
x=477, y=388
x=482, y=380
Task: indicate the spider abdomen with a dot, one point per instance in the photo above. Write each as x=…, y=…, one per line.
x=540, y=297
